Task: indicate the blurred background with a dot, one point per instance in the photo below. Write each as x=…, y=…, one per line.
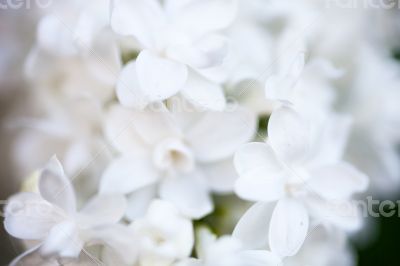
x=17, y=30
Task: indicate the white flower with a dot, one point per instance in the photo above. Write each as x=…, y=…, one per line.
x=227, y=251
x=375, y=135
x=51, y=217
x=85, y=74
x=71, y=26
x=178, y=41
x=69, y=128
x=165, y=236
x=184, y=155
x=306, y=85
x=321, y=248
x=303, y=171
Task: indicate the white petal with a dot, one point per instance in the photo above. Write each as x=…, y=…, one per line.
x=174, y=224
x=33, y=257
x=155, y=124
x=220, y=176
x=159, y=78
x=204, y=94
x=207, y=52
x=288, y=134
x=127, y=174
x=256, y=155
x=258, y=188
x=332, y=141
x=121, y=239
x=139, y=201
x=279, y=88
x=129, y=92
x=103, y=210
x=138, y=18
x=261, y=176
x=339, y=181
x=135, y=132
x=55, y=37
x=106, y=69
x=289, y=228
x=120, y=131
x=344, y=214
x=212, y=142
x=28, y=216
x=63, y=240
x=189, y=194
x=259, y=258
x=56, y=188
x=253, y=228
x=190, y=17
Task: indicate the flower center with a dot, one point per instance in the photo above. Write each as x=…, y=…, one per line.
x=173, y=155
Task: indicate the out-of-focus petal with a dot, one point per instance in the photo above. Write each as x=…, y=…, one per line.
x=140, y=19
x=103, y=210
x=127, y=174
x=159, y=78
x=289, y=135
x=344, y=214
x=120, y=239
x=261, y=176
x=129, y=92
x=207, y=52
x=139, y=201
x=190, y=15
x=212, y=142
x=204, y=94
x=28, y=216
x=221, y=176
x=189, y=194
x=63, y=240
x=339, y=181
x=259, y=258
x=120, y=131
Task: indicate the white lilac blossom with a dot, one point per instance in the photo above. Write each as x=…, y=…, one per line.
x=227, y=251
x=321, y=248
x=182, y=156
x=69, y=128
x=163, y=243
x=51, y=218
x=70, y=26
x=88, y=73
x=375, y=134
x=103, y=78
x=302, y=170
x=178, y=41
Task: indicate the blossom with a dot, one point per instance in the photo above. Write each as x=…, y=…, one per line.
x=70, y=128
x=68, y=27
x=181, y=156
x=176, y=45
x=85, y=74
x=321, y=248
x=375, y=134
x=227, y=251
x=141, y=180
x=302, y=170
x=163, y=243
x=51, y=217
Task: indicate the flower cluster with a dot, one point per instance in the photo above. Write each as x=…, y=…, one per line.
x=201, y=133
